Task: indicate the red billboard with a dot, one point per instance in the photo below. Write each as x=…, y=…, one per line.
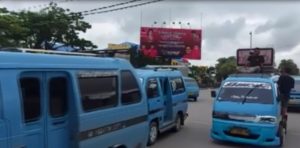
x=170, y=42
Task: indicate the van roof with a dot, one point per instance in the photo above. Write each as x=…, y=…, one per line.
x=152, y=72
x=40, y=60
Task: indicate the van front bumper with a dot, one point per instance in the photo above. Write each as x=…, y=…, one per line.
x=259, y=134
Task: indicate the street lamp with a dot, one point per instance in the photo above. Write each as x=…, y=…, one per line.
x=154, y=23
x=189, y=25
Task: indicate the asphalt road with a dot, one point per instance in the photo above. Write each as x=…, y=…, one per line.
x=195, y=133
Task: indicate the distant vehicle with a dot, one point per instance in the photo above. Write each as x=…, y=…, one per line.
x=247, y=109
x=51, y=99
x=167, y=99
x=192, y=88
x=295, y=94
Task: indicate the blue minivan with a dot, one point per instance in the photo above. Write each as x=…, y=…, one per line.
x=49, y=100
x=167, y=100
x=192, y=88
x=246, y=109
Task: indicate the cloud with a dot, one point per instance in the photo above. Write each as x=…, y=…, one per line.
x=284, y=32
x=215, y=33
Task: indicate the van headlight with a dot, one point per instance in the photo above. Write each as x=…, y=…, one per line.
x=266, y=119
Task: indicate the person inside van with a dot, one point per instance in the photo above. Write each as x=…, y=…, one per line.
x=285, y=84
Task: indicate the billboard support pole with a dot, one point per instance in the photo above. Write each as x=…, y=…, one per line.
x=170, y=16
x=141, y=18
x=250, y=39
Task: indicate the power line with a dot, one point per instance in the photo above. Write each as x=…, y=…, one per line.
x=122, y=8
x=110, y=6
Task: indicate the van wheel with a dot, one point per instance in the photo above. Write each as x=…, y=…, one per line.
x=281, y=135
x=178, y=123
x=153, y=133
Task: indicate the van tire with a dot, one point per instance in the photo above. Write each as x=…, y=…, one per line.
x=153, y=133
x=178, y=123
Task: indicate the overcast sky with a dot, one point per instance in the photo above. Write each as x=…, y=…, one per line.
x=226, y=24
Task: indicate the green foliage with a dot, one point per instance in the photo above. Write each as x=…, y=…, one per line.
x=225, y=67
x=203, y=74
x=44, y=28
x=12, y=33
x=290, y=64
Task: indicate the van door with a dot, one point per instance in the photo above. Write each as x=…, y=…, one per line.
x=58, y=96
x=155, y=99
x=30, y=85
x=45, y=107
x=167, y=98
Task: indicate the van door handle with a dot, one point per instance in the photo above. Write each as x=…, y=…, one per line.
x=58, y=122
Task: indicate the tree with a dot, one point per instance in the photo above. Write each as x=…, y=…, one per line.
x=46, y=28
x=12, y=33
x=225, y=67
x=290, y=64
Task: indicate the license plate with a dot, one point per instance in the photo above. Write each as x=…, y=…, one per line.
x=239, y=131
x=294, y=101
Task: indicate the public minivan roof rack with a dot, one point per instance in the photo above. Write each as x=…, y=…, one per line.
x=164, y=68
x=27, y=50
x=261, y=75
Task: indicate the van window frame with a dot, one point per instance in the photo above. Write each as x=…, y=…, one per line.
x=106, y=73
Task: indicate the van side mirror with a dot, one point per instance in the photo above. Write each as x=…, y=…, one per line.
x=213, y=93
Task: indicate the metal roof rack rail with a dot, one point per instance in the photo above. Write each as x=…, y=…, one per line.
x=164, y=68
x=261, y=75
x=27, y=50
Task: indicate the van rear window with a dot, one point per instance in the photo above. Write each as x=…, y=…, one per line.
x=98, y=91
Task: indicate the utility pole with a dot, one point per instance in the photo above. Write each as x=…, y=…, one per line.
x=250, y=39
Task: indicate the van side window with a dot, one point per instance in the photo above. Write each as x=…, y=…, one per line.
x=130, y=89
x=31, y=97
x=98, y=92
x=58, y=96
x=177, y=85
x=152, y=88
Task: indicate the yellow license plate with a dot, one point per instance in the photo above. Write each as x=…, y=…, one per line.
x=239, y=131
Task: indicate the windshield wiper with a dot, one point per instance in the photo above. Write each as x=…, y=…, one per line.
x=248, y=93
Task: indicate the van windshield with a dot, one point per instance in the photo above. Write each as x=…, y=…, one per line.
x=247, y=92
